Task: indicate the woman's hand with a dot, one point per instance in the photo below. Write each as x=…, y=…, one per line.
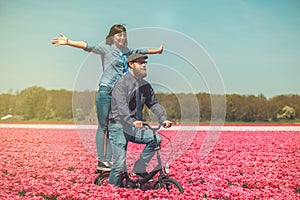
x=158, y=50
x=161, y=48
x=62, y=40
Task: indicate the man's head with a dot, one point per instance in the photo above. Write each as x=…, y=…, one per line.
x=137, y=63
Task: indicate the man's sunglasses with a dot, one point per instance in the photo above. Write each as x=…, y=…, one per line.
x=141, y=62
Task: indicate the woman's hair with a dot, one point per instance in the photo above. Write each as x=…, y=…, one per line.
x=115, y=29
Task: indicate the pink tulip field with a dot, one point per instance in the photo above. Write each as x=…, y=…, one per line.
x=59, y=163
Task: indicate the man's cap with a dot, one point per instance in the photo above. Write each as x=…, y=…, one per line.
x=136, y=56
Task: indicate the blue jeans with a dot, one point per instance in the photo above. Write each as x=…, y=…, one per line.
x=103, y=107
x=119, y=140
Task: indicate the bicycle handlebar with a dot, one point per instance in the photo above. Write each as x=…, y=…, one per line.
x=156, y=128
x=152, y=128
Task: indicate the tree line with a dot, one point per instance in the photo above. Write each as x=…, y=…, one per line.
x=38, y=104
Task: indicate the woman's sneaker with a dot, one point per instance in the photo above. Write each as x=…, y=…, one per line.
x=103, y=166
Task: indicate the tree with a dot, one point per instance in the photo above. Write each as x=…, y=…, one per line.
x=287, y=112
x=31, y=102
x=37, y=103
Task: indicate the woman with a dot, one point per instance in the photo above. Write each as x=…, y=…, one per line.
x=113, y=54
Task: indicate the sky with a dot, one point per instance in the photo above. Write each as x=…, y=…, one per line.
x=249, y=46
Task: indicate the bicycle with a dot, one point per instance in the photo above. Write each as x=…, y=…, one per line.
x=163, y=180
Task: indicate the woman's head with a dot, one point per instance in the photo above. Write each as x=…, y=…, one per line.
x=117, y=35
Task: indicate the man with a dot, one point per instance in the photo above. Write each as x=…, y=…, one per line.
x=129, y=96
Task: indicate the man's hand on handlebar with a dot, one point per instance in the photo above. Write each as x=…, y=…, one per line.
x=167, y=124
x=138, y=124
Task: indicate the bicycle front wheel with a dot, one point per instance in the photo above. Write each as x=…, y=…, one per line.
x=168, y=184
x=102, y=179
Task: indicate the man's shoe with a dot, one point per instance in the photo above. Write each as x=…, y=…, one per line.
x=103, y=166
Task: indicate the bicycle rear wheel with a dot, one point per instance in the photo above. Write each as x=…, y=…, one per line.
x=102, y=179
x=168, y=184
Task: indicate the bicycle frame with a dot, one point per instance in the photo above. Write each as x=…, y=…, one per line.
x=163, y=180
x=157, y=169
